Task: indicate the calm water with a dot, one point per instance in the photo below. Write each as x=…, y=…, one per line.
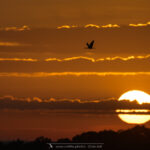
x=58, y=124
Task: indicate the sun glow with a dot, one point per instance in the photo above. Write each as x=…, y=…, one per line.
x=139, y=96
x=134, y=118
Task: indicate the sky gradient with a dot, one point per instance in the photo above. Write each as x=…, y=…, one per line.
x=51, y=84
x=52, y=13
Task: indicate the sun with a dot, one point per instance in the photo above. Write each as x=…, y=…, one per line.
x=140, y=96
x=134, y=119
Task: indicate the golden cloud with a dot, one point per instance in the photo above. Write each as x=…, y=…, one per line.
x=12, y=98
x=99, y=59
x=138, y=25
x=52, y=100
x=91, y=25
x=103, y=26
x=46, y=74
x=11, y=44
x=67, y=27
x=23, y=28
x=78, y=58
x=111, y=26
x=71, y=58
x=18, y=59
x=68, y=105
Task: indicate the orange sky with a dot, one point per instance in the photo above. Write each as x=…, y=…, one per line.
x=52, y=13
x=46, y=62
x=43, y=55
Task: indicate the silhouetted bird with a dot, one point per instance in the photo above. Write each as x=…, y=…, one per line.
x=90, y=45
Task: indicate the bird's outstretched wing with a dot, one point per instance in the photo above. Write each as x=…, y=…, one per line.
x=91, y=44
x=87, y=44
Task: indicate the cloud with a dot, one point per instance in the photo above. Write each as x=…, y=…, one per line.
x=95, y=106
x=46, y=74
x=89, y=26
x=12, y=44
x=23, y=28
x=73, y=42
x=71, y=58
x=67, y=27
x=111, y=26
x=140, y=24
x=90, y=59
x=103, y=26
x=92, y=26
x=75, y=66
x=99, y=59
x=19, y=59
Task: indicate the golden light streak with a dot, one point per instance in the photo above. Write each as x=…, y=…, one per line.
x=79, y=57
x=53, y=59
x=23, y=28
x=46, y=74
x=64, y=27
x=91, y=25
x=29, y=99
x=72, y=100
x=99, y=59
x=132, y=110
x=138, y=25
x=10, y=44
x=71, y=58
x=110, y=26
x=103, y=26
x=67, y=27
x=18, y=59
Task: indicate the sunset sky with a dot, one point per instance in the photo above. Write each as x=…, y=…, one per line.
x=52, y=13
x=43, y=58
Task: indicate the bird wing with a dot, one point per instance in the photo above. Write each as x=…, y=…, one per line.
x=92, y=43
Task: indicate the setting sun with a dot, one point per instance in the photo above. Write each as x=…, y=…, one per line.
x=134, y=118
x=140, y=96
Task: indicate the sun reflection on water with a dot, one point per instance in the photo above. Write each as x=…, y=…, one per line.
x=134, y=116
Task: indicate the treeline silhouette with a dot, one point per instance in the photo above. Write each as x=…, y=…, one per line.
x=136, y=138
